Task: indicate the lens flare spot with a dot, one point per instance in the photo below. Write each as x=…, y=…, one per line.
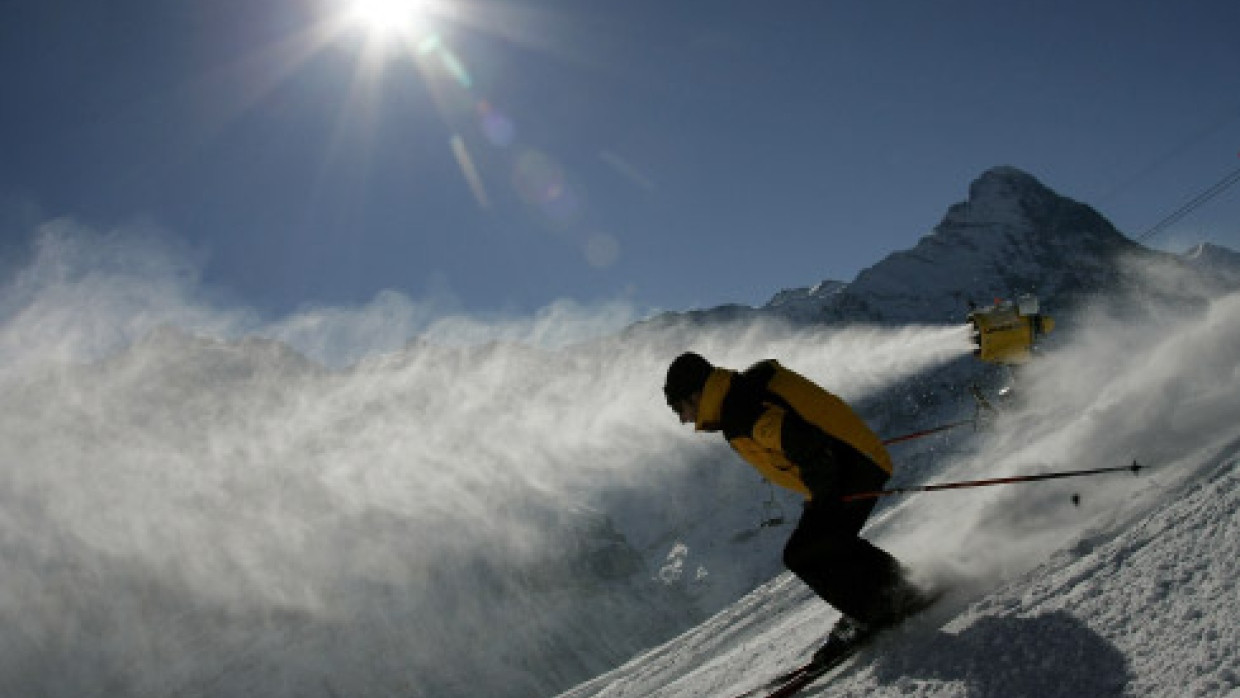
x=601, y=250
x=564, y=208
x=470, y=171
x=429, y=44
x=541, y=183
x=497, y=127
x=537, y=178
x=627, y=170
x=456, y=69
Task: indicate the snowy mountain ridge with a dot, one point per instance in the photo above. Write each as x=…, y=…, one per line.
x=1011, y=236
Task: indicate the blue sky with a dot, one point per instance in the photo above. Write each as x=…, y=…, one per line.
x=680, y=154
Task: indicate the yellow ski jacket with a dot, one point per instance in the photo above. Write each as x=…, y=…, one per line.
x=796, y=434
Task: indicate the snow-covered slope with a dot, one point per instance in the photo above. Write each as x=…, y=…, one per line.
x=1146, y=610
x=1129, y=592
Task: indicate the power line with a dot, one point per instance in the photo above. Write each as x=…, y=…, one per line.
x=1158, y=163
x=1197, y=201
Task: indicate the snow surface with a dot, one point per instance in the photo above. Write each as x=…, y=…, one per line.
x=1148, y=610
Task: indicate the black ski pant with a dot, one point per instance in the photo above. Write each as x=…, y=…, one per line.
x=855, y=576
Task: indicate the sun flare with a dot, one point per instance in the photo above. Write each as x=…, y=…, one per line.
x=386, y=18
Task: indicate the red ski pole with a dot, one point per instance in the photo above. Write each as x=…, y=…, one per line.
x=925, y=432
x=1134, y=469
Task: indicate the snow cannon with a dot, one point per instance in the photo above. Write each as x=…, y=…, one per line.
x=1005, y=332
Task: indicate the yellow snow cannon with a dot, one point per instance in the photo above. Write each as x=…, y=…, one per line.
x=1005, y=332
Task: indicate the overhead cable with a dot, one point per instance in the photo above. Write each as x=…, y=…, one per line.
x=1191, y=206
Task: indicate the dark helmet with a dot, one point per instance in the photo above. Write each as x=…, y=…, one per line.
x=686, y=376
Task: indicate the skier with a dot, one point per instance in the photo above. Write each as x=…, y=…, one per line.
x=799, y=436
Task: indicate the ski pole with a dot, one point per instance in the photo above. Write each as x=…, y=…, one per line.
x=1134, y=469
x=925, y=432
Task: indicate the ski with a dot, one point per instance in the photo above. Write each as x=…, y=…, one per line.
x=783, y=678
x=791, y=682
x=805, y=676
x=778, y=682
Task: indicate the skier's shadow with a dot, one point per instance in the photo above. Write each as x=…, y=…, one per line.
x=1044, y=657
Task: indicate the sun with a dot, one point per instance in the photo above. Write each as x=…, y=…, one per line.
x=383, y=19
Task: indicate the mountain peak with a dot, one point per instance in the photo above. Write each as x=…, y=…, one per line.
x=1206, y=251
x=1007, y=182
x=1221, y=262
x=1012, y=235
x=1009, y=197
